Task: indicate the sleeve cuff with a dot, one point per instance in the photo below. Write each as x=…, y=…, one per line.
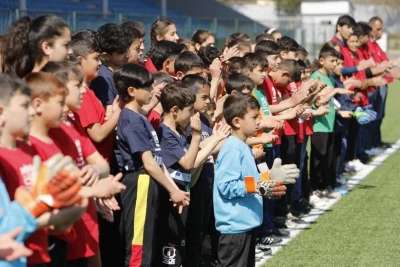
x=250, y=184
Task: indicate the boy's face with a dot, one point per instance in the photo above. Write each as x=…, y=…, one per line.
x=282, y=78
x=118, y=59
x=288, y=55
x=134, y=51
x=60, y=49
x=183, y=116
x=345, y=31
x=329, y=63
x=353, y=43
x=53, y=110
x=91, y=65
x=249, y=124
x=76, y=90
x=18, y=115
x=339, y=67
x=143, y=95
x=202, y=100
x=363, y=40
x=258, y=74
x=273, y=62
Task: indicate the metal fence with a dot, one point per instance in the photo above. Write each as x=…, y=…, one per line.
x=309, y=35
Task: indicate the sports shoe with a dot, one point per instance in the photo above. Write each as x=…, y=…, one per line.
x=316, y=202
x=343, y=190
x=358, y=165
x=341, y=180
x=349, y=167
x=279, y=232
x=294, y=219
x=263, y=250
x=280, y=222
x=300, y=207
x=269, y=240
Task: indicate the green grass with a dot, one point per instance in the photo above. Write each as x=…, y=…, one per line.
x=363, y=228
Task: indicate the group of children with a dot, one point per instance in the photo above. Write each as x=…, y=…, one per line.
x=208, y=142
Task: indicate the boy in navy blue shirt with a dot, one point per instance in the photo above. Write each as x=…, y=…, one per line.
x=140, y=157
x=238, y=205
x=114, y=42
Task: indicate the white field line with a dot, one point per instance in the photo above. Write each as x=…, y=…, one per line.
x=315, y=213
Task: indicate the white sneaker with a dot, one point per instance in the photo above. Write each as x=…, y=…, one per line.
x=349, y=167
x=358, y=165
x=341, y=180
x=316, y=202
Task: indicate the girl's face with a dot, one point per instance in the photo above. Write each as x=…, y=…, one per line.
x=170, y=34
x=353, y=43
x=209, y=41
x=60, y=50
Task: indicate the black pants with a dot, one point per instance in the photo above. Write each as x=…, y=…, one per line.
x=352, y=140
x=111, y=242
x=322, y=163
x=171, y=232
x=290, y=154
x=58, y=252
x=198, y=219
x=237, y=250
x=139, y=206
x=306, y=189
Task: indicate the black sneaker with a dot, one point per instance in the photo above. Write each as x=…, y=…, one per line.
x=385, y=145
x=279, y=232
x=264, y=249
x=280, y=222
x=269, y=240
x=300, y=207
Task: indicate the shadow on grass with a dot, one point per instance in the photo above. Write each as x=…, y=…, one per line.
x=362, y=186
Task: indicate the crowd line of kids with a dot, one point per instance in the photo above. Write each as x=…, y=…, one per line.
x=106, y=160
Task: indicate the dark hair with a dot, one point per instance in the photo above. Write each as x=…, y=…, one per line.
x=374, y=19
x=345, y=20
x=10, y=85
x=200, y=36
x=267, y=47
x=45, y=85
x=302, y=51
x=327, y=51
x=236, y=105
x=288, y=44
x=292, y=67
x=15, y=52
x=84, y=42
x=236, y=64
x=195, y=82
x=264, y=37
x=302, y=65
x=362, y=29
x=136, y=26
x=308, y=63
x=208, y=54
x=253, y=60
x=163, y=50
x=132, y=75
x=162, y=77
x=131, y=32
x=330, y=44
x=187, y=60
x=65, y=71
x=23, y=42
x=159, y=28
x=238, y=82
x=113, y=38
x=177, y=94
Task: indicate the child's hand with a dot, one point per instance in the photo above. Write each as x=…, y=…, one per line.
x=179, y=198
x=344, y=91
x=345, y=114
x=156, y=93
x=108, y=187
x=221, y=131
x=230, y=53
x=267, y=138
x=322, y=110
x=379, y=81
x=258, y=152
x=195, y=123
x=118, y=104
x=219, y=105
x=271, y=189
x=285, y=173
x=352, y=82
x=11, y=250
x=216, y=69
x=89, y=175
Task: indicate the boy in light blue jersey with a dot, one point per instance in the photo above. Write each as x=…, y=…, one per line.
x=238, y=190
